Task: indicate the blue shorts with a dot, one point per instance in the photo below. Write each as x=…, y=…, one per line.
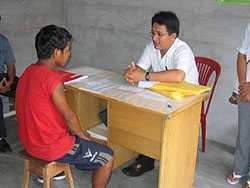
x=87, y=155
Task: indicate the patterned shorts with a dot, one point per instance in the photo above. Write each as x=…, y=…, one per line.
x=87, y=155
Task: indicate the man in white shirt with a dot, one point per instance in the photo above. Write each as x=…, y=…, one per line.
x=242, y=149
x=170, y=59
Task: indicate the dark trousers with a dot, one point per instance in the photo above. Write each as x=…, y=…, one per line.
x=11, y=93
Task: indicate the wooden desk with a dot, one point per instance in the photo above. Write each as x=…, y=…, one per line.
x=140, y=122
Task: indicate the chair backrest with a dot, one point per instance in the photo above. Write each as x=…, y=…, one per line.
x=206, y=67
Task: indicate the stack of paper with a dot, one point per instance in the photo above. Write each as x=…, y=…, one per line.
x=99, y=132
x=179, y=90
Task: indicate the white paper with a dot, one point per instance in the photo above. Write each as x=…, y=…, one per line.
x=100, y=132
x=146, y=84
x=132, y=89
x=153, y=96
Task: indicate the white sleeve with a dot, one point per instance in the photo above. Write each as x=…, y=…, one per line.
x=245, y=42
x=184, y=60
x=144, y=61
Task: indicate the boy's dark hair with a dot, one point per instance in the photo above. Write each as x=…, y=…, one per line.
x=49, y=38
x=169, y=19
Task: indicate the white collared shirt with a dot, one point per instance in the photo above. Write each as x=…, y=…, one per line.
x=178, y=56
x=245, y=46
x=245, y=50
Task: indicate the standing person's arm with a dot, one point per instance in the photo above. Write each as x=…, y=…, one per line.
x=243, y=56
x=241, y=68
x=70, y=117
x=244, y=86
x=9, y=61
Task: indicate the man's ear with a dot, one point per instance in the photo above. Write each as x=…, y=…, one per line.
x=173, y=36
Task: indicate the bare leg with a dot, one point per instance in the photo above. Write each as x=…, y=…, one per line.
x=101, y=175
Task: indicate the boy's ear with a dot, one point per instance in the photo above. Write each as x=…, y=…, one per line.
x=56, y=52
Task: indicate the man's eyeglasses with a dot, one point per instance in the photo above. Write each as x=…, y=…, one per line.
x=152, y=34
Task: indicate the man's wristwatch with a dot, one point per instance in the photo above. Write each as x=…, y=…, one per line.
x=147, y=78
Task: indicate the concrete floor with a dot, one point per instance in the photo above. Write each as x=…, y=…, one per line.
x=211, y=169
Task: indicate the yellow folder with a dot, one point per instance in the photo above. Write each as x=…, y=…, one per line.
x=179, y=90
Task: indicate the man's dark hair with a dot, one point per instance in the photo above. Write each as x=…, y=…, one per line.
x=169, y=19
x=49, y=38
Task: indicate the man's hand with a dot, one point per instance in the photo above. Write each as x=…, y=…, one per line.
x=131, y=68
x=244, y=90
x=134, y=74
x=5, y=86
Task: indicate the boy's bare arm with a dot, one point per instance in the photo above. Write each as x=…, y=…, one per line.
x=61, y=104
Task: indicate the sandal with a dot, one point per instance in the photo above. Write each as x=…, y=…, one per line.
x=234, y=178
x=136, y=169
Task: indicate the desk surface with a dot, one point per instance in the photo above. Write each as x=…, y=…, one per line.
x=109, y=85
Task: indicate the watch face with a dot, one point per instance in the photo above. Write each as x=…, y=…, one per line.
x=147, y=76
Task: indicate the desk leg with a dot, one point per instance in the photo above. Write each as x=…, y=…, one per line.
x=179, y=148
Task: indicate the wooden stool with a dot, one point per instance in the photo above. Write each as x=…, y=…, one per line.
x=44, y=169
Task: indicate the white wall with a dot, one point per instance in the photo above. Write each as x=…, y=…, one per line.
x=21, y=20
x=109, y=33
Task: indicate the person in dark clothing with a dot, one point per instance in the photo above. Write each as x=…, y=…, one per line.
x=8, y=83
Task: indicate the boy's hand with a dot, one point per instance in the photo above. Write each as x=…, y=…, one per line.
x=84, y=136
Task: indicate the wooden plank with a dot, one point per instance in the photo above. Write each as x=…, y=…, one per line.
x=136, y=143
x=179, y=148
x=135, y=128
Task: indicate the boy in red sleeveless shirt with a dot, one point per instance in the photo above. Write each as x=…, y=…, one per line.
x=48, y=128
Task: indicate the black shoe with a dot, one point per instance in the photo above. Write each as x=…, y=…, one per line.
x=60, y=176
x=136, y=169
x=4, y=146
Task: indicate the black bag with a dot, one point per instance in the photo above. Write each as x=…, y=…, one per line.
x=103, y=115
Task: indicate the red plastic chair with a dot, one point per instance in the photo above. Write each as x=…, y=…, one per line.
x=206, y=67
